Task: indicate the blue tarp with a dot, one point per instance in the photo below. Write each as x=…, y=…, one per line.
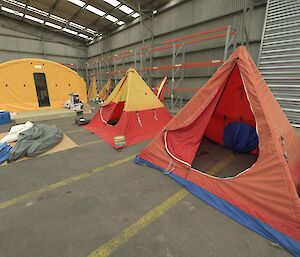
x=232, y=211
x=4, y=152
x=240, y=137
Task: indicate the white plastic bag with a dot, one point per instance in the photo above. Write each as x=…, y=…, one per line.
x=15, y=131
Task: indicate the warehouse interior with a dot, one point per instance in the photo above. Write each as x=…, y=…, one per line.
x=85, y=195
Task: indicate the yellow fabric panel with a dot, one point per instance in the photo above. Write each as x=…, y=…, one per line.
x=139, y=96
x=104, y=90
x=92, y=94
x=118, y=94
x=17, y=87
x=134, y=91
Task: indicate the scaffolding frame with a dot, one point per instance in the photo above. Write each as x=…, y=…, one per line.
x=178, y=47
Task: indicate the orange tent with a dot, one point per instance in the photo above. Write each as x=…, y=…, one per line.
x=263, y=196
x=33, y=84
x=131, y=114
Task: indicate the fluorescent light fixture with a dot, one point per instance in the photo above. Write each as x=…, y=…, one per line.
x=83, y=36
x=91, y=31
x=154, y=11
x=76, y=25
x=70, y=31
x=111, y=18
x=112, y=2
x=57, y=18
x=15, y=3
x=95, y=10
x=77, y=2
x=52, y=25
x=135, y=15
x=29, y=17
x=120, y=23
x=124, y=8
x=37, y=11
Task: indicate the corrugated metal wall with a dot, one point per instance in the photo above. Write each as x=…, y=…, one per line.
x=279, y=60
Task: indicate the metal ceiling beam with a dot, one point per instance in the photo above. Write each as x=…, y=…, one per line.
x=1, y=4
x=93, y=23
x=52, y=8
x=134, y=7
x=75, y=15
x=25, y=9
x=107, y=30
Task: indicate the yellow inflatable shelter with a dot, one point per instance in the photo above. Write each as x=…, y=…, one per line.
x=32, y=84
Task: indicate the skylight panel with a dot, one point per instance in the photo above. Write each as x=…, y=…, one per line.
x=57, y=18
x=5, y=9
x=83, y=36
x=91, y=31
x=52, y=25
x=70, y=31
x=77, y=2
x=120, y=23
x=37, y=11
x=112, y=2
x=15, y=3
x=135, y=15
x=111, y=18
x=76, y=25
x=95, y=10
x=29, y=17
x=124, y=8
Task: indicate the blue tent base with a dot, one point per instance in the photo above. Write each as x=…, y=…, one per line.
x=232, y=211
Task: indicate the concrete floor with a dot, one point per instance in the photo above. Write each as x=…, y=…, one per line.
x=76, y=219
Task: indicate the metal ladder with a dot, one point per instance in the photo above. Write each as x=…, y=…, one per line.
x=279, y=57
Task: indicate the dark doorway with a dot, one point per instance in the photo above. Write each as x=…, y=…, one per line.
x=41, y=89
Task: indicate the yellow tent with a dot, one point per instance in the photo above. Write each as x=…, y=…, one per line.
x=104, y=91
x=32, y=84
x=92, y=94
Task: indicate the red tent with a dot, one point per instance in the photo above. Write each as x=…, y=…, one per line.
x=131, y=114
x=160, y=89
x=262, y=196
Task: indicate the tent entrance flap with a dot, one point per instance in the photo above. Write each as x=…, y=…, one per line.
x=41, y=89
x=229, y=108
x=115, y=113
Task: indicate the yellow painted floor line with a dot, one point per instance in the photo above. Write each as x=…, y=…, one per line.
x=220, y=165
x=108, y=248
x=91, y=143
x=63, y=183
x=112, y=245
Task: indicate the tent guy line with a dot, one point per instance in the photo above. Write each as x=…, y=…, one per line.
x=120, y=239
x=64, y=182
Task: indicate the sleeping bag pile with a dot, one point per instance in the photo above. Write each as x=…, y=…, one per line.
x=35, y=141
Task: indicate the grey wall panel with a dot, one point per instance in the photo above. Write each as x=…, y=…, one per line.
x=19, y=40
